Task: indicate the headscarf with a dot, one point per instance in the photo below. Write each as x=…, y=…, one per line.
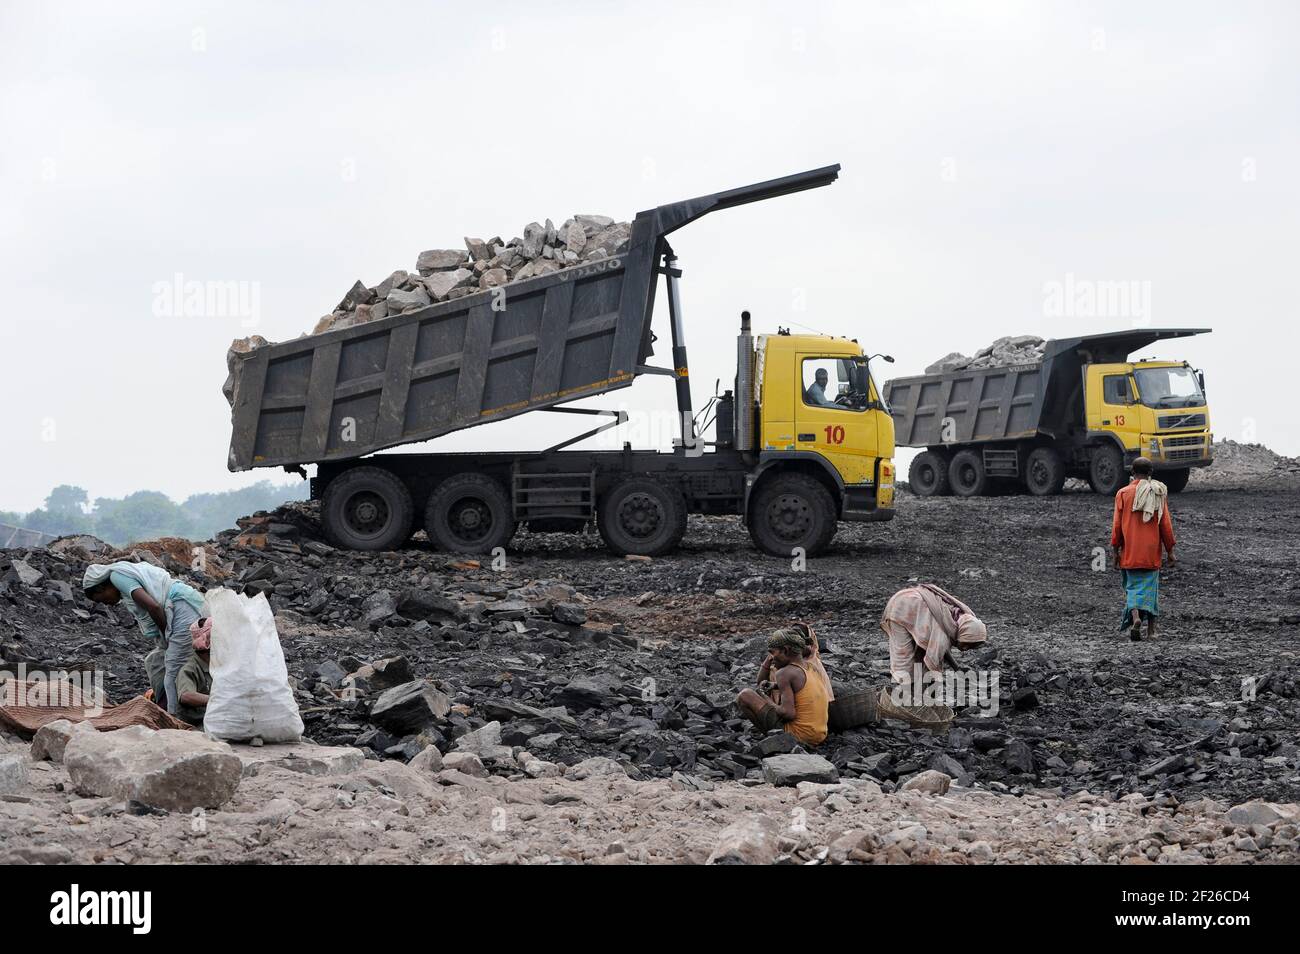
x=201, y=635
x=154, y=580
x=971, y=631
x=790, y=639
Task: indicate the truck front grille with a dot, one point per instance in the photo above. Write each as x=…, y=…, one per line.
x=1195, y=441
x=1193, y=454
x=1182, y=420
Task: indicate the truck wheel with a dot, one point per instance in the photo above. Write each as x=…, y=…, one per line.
x=469, y=513
x=1044, y=472
x=928, y=475
x=367, y=508
x=792, y=510
x=966, y=474
x=1106, y=471
x=1175, y=480
x=641, y=516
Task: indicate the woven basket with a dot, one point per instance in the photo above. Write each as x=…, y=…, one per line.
x=935, y=718
x=852, y=709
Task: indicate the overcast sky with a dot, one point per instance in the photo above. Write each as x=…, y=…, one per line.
x=988, y=151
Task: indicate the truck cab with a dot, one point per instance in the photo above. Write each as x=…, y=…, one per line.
x=1152, y=409
x=820, y=416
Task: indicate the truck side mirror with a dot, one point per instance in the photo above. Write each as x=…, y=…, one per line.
x=1200, y=379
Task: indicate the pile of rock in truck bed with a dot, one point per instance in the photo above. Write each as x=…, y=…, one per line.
x=1004, y=352
x=445, y=274
x=442, y=274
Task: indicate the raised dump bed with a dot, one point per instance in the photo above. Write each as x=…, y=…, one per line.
x=533, y=344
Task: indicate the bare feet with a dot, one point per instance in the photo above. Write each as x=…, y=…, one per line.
x=1135, y=627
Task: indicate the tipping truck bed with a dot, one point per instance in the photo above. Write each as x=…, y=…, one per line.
x=1014, y=402
x=571, y=334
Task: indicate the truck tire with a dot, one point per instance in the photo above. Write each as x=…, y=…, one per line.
x=792, y=510
x=966, y=474
x=641, y=516
x=1175, y=480
x=469, y=513
x=1044, y=472
x=928, y=475
x=1106, y=470
x=367, y=508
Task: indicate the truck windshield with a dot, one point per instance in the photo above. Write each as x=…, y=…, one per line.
x=1168, y=387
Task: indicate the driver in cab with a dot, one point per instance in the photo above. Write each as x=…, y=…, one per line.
x=817, y=390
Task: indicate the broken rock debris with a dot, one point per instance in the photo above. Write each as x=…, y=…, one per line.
x=1004, y=352
x=445, y=274
x=570, y=683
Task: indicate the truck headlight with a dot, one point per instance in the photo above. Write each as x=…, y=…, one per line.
x=1155, y=446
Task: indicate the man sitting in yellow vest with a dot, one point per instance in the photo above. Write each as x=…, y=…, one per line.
x=798, y=700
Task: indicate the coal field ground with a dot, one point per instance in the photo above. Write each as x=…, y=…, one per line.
x=1209, y=708
x=619, y=677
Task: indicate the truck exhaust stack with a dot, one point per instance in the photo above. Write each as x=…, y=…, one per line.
x=744, y=386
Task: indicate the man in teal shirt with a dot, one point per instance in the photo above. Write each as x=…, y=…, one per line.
x=163, y=609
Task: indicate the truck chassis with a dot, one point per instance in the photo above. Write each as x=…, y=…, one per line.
x=637, y=499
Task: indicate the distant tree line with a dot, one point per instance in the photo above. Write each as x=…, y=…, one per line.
x=148, y=514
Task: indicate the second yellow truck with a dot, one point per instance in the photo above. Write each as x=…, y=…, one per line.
x=1084, y=411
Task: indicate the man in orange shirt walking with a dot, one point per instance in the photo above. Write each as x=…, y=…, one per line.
x=1140, y=528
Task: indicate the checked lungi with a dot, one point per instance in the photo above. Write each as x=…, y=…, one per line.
x=1142, y=593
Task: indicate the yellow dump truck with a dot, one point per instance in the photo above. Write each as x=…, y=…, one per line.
x=1085, y=410
x=802, y=442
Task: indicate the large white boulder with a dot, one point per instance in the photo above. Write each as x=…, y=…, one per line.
x=164, y=768
x=52, y=739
